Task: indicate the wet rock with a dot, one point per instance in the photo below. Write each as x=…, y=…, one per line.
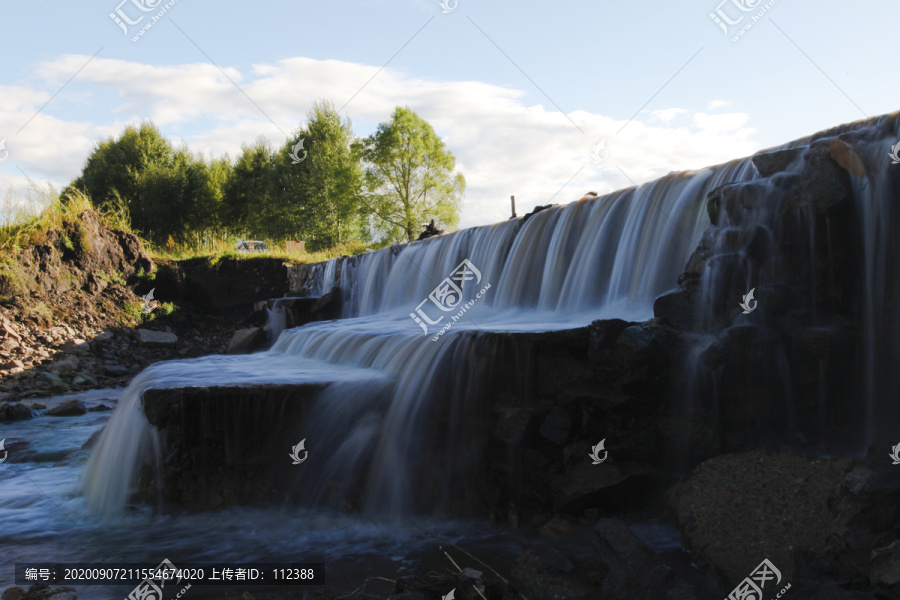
x=884, y=567
x=91, y=441
x=536, y=210
x=329, y=305
x=556, y=426
x=151, y=338
x=587, y=485
x=514, y=425
x=844, y=155
x=84, y=379
x=603, y=336
x=769, y=163
x=43, y=591
x=14, y=411
x=775, y=501
x=99, y=408
x=36, y=406
x=247, y=340
x=550, y=577
x=72, y=408
x=115, y=370
x=633, y=570
x=13, y=593
x=676, y=307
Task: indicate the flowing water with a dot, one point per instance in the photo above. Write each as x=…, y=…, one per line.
x=562, y=268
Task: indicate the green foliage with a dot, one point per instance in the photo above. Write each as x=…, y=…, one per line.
x=373, y=192
x=411, y=178
x=248, y=191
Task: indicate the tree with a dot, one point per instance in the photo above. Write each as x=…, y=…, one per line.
x=320, y=194
x=410, y=178
x=248, y=194
x=114, y=170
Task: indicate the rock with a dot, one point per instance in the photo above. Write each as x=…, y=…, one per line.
x=616, y=542
x=13, y=364
x=587, y=486
x=677, y=307
x=14, y=411
x=544, y=574
x=93, y=439
x=13, y=593
x=556, y=426
x=7, y=329
x=329, y=305
x=247, y=340
x=769, y=163
x=825, y=184
x=42, y=591
x=633, y=569
x=84, y=379
x=150, y=338
x=72, y=408
x=884, y=567
x=407, y=596
x=779, y=502
x=65, y=365
x=536, y=210
x=844, y=155
x=50, y=378
x=106, y=336
x=76, y=345
x=99, y=408
x=36, y=406
x=603, y=336
x=514, y=425
x=115, y=370
x=646, y=344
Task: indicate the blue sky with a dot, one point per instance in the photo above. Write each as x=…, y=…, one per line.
x=520, y=91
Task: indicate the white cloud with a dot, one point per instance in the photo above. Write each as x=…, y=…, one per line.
x=717, y=104
x=502, y=146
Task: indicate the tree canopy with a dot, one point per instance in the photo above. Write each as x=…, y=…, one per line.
x=323, y=185
x=410, y=178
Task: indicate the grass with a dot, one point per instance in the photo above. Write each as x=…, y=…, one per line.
x=25, y=222
x=220, y=250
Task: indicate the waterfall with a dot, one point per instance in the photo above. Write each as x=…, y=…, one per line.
x=402, y=399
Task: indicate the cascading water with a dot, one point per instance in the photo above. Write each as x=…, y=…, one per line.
x=794, y=237
x=562, y=268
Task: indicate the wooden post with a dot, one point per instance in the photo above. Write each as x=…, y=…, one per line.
x=512, y=201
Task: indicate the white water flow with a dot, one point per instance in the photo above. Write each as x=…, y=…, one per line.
x=562, y=268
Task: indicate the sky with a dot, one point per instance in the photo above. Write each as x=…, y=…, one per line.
x=540, y=100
